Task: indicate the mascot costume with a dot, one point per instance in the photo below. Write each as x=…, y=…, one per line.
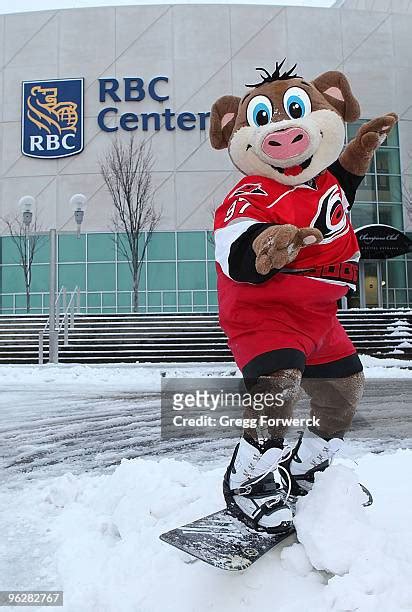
x=286, y=254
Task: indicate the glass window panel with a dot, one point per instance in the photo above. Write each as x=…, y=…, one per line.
x=211, y=271
x=154, y=299
x=161, y=246
x=184, y=298
x=161, y=275
x=122, y=248
x=212, y=298
x=390, y=214
x=101, y=277
x=389, y=188
x=401, y=295
x=35, y=302
x=9, y=251
x=12, y=279
x=124, y=301
x=387, y=161
x=170, y=309
x=396, y=273
x=169, y=298
x=366, y=191
x=210, y=244
x=6, y=301
x=72, y=276
x=100, y=247
x=93, y=300
x=192, y=274
x=191, y=245
x=83, y=300
x=124, y=277
x=42, y=250
x=363, y=214
x=71, y=248
x=40, y=277
x=199, y=309
x=199, y=298
x=20, y=303
x=109, y=299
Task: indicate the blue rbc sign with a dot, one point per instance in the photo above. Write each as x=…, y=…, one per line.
x=52, y=118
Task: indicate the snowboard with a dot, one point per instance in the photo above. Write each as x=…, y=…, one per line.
x=222, y=540
x=225, y=542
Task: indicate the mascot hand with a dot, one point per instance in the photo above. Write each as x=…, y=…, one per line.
x=372, y=134
x=278, y=245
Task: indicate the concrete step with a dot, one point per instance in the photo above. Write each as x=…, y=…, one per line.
x=179, y=336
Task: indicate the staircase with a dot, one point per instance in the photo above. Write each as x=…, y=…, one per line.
x=181, y=337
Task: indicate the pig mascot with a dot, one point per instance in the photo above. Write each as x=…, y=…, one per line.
x=286, y=253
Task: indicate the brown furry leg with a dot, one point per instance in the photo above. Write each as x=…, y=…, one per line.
x=286, y=383
x=334, y=402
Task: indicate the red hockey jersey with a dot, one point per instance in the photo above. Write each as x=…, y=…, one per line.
x=284, y=310
x=257, y=199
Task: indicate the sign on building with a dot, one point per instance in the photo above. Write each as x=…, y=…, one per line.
x=378, y=241
x=52, y=118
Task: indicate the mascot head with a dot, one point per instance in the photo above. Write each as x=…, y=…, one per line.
x=285, y=128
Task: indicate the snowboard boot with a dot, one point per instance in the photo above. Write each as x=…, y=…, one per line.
x=256, y=487
x=311, y=454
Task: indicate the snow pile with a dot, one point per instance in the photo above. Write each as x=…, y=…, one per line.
x=370, y=552
x=110, y=558
x=126, y=377
x=147, y=377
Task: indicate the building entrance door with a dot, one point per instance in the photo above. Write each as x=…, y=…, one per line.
x=370, y=284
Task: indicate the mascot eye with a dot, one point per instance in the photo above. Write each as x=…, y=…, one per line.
x=297, y=103
x=259, y=111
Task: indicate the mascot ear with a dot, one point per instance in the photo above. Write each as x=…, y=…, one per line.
x=222, y=121
x=336, y=89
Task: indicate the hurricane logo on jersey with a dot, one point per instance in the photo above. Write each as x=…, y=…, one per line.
x=249, y=189
x=331, y=217
x=52, y=118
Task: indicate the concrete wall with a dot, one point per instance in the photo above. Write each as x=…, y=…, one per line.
x=206, y=51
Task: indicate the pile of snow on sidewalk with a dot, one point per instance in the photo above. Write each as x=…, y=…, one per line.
x=348, y=558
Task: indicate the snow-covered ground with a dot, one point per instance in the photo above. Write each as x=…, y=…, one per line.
x=146, y=378
x=99, y=542
x=94, y=532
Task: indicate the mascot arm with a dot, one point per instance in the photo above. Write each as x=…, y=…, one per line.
x=348, y=181
x=253, y=252
x=358, y=154
x=242, y=256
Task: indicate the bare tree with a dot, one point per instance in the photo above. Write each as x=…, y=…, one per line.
x=28, y=239
x=127, y=171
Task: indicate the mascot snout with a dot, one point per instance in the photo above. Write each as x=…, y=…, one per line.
x=284, y=144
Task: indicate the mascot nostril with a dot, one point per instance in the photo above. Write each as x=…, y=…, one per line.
x=286, y=253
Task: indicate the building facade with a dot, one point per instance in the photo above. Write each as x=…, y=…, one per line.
x=71, y=81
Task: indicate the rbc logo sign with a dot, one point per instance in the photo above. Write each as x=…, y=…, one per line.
x=52, y=118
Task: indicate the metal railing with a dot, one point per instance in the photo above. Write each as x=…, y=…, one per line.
x=59, y=324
